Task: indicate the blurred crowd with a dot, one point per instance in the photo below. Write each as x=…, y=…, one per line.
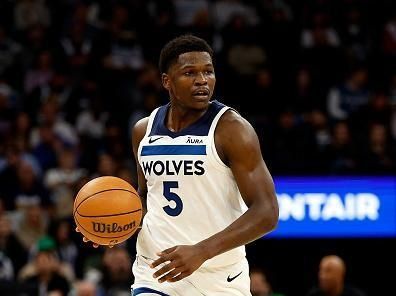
x=316, y=78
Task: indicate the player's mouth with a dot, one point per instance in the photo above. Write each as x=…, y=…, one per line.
x=201, y=93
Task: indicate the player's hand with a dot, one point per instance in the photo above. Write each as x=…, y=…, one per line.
x=85, y=240
x=181, y=261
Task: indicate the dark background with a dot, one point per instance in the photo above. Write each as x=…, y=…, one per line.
x=292, y=264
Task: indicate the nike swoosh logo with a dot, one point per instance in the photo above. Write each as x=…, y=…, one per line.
x=151, y=140
x=230, y=279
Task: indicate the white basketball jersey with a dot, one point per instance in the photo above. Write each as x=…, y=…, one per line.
x=191, y=194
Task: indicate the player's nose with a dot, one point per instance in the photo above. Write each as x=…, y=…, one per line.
x=201, y=79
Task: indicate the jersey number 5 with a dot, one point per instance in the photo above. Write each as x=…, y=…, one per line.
x=171, y=196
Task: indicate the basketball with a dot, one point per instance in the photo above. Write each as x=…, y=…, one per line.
x=107, y=210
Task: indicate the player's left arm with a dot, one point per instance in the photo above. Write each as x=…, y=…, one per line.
x=238, y=146
x=240, y=150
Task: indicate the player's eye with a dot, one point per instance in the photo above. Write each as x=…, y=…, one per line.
x=209, y=72
x=188, y=73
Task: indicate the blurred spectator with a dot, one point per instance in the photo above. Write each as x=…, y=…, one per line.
x=91, y=123
x=32, y=225
x=128, y=174
x=106, y=166
x=22, y=126
x=116, y=272
x=321, y=33
x=45, y=145
x=6, y=268
x=30, y=190
x=55, y=93
x=147, y=82
x=378, y=110
x=161, y=24
x=63, y=180
x=320, y=50
x=202, y=26
x=378, y=155
x=63, y=131
x=319, y=123
x=389, y=37
x=66, y=249
x=306, y=97
x=31, y=12
x=10, y=246
x=187, y=10
x=84, y=288
x=45, y=272
x=9, y=95
x=123, y=51
x=8, y=175
x=9, y=50
x=331, y=279
x=40, y=73
x=263, y=91
x=354, y=32
x=245, y=56
x=115, y=143
x=225, y=10
x=242, y=56
x=339, y=156
x=350, y=96
x=259, y=285
x=7, y=111
x=20, y=180
x=276, y=9
x=74, y=50
x=292, y=142
x=35, y=40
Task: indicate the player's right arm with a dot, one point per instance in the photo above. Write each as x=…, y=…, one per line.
x=138, y=132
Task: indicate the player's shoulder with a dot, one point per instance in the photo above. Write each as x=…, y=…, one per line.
x=232, y=122
x=232, y=115
x=141, y=123
x=235, y=136
x=139, y=129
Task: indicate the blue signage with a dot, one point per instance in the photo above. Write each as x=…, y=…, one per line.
x=336, y=207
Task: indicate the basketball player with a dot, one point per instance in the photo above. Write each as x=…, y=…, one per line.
x=207, y=189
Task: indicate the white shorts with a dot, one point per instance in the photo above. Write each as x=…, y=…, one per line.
x=232, y=280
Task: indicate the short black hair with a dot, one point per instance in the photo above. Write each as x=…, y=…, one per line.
x=179, y=45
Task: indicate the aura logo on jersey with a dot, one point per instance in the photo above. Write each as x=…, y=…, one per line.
x=336, y=206
x=194, y=141
x=112, y=228
x=173, y=167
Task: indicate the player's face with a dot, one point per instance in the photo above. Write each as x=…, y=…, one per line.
x=191, y=80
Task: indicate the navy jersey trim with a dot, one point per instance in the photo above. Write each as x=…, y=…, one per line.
x=173, y=150
x=144, y=290
x=199, y=128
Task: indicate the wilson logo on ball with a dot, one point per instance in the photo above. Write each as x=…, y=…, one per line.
x=112, y=228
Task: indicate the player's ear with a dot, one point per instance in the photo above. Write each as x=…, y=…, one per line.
x=165, y=81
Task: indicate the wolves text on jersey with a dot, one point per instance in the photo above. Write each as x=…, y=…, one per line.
x=173, y=167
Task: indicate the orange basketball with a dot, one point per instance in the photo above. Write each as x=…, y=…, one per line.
x=107, y=210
